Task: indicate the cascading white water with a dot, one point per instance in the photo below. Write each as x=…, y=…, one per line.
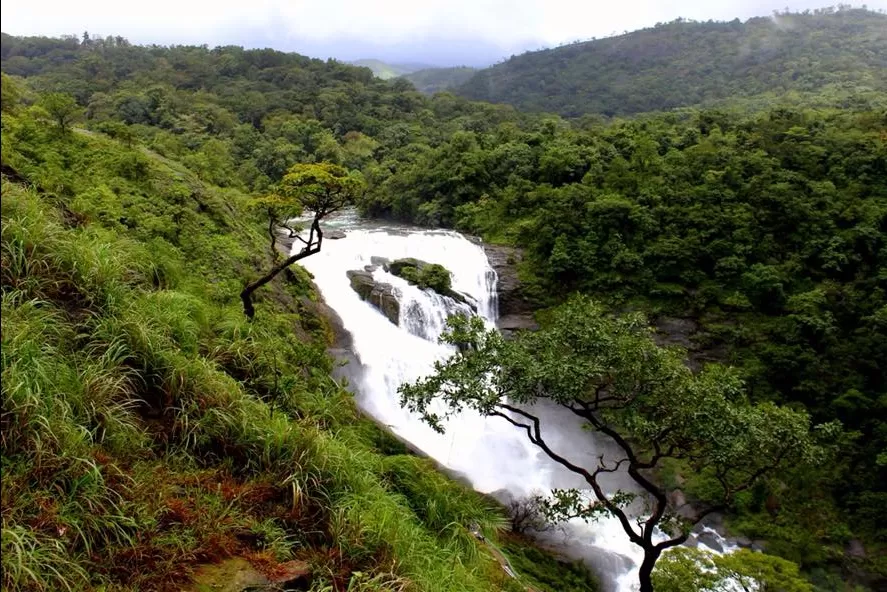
x=422, y=312
x=493, y=455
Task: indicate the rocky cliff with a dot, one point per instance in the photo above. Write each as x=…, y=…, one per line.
x=515, y=311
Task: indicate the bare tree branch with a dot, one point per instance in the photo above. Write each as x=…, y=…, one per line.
x=535, y=435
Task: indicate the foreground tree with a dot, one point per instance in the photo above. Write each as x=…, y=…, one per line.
x=61, y=108
x=607, y=371
x=319, y=188
x=694, y=570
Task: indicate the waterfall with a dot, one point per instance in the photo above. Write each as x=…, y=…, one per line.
x=493, y=455
x=423, y=312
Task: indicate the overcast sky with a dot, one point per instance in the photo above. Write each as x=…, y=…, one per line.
x=440, y=32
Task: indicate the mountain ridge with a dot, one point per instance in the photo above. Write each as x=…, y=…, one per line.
x=684, y=63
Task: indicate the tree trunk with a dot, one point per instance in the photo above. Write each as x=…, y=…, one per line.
x=246, y=296
x=645, y=574
x=272, y=234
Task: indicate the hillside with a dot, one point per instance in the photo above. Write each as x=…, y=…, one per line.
x=240, y=118
x=387, y=71
x=431, y=80
x=149, y=428
x=688, y=63
x=758, y=225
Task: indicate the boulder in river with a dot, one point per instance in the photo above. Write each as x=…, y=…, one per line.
x=334, y=234
x=710, y=539
x=380, y=261
x=397, y=266
x=431, y=276
x=382, y=296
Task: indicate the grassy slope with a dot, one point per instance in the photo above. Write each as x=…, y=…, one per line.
x=147, y=427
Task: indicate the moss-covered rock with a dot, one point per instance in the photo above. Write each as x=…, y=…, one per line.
x=426, y=275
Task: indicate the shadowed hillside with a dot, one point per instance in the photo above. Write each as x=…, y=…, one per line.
x=432, y=80
x=687, y=63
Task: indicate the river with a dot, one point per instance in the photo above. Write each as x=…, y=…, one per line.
x=491, y=454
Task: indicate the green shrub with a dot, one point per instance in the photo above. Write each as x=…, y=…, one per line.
x=425, y=275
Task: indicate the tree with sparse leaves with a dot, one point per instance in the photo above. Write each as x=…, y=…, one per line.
x=607, y=371
x=323, y=189
x=62, y=108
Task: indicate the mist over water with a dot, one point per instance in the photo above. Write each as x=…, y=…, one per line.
x=490, y=453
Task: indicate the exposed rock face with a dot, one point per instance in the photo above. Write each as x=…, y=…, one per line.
x=511, y=298
x=284, y=241
x=340, y=338
x=515, y=311
x=238, y=575
x=334, y=234
x=856, y=549
x=675, y=331
x=382, y=296
x=689, y=334
x=460, y=297
x=231, y=575
x=510, y=324
x=292, y=575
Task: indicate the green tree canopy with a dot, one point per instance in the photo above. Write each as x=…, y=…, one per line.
x=321, y=188
x=62, y=108
x=607, y=371
x=693, y=570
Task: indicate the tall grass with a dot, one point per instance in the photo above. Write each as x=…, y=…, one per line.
x=147, y=426
x=34, y=562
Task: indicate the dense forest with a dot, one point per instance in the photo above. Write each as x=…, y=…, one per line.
x=241, y=118
x=763, y=220
x=768, y=230
x=687, y=63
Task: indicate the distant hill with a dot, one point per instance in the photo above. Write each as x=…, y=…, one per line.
x=386, y=71
x=432, y=80
x=688, y=63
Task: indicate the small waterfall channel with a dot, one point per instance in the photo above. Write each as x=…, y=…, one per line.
x=491, y=454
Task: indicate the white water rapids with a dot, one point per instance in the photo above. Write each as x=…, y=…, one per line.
x=489, y=452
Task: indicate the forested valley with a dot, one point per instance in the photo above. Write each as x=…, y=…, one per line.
x=750, y=201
